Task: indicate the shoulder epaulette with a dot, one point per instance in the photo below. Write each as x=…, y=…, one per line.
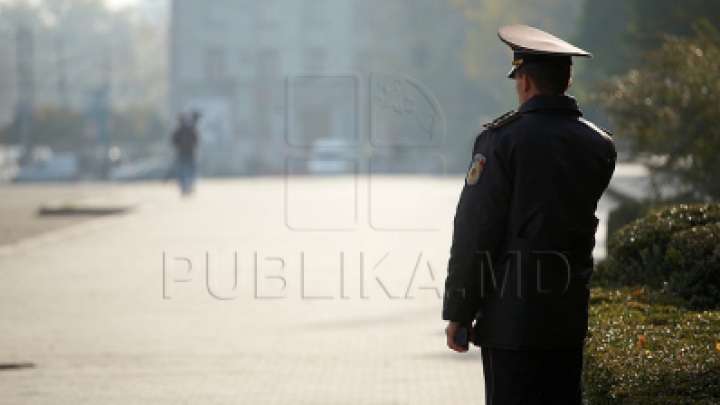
x=607, y=131
x=596, y=127
x=503, y=119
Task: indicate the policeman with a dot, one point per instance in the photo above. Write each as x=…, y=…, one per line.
x=524, y=231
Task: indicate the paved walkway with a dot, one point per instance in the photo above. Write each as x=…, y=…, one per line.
x=336, y=301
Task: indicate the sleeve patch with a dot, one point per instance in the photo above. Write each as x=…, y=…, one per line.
x=476, y=169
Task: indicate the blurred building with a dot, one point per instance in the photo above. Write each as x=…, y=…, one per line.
x=270, y=77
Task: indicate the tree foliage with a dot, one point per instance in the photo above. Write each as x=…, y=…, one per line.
x=458, y=56
x=59, y=128
x=79, y=45
x=485, y=59
x=603, y=29
x=66, y=130
x=136, y=125
x=619, y=32
x=669, y=109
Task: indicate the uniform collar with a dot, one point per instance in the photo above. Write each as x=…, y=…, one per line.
x=566, y=104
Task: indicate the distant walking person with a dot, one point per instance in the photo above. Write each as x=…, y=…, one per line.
x=185, y=139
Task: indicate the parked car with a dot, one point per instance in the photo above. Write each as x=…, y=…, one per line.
x=57, y=167
x=332, y=156
x=154, y=168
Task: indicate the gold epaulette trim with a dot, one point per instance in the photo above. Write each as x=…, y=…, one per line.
x=503, y=119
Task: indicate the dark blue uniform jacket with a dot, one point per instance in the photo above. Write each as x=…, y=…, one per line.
x=525, y=227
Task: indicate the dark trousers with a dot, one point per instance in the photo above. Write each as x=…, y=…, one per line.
x=532, y=377
x=186, y=174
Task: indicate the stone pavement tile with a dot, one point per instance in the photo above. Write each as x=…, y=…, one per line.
x=89, y=311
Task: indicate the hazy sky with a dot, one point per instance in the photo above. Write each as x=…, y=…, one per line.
x=120, y=3
x=147, y=4
x=155, y=11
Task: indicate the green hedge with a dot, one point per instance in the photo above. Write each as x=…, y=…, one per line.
x=657, y=252
x=644, y=348
x=630, y=210
x=694, y=256
x=627, y=212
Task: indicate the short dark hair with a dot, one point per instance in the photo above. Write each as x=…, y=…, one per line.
x=549, y=78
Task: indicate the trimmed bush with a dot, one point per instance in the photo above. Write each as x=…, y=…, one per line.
x=638, y=253
x=631, y=210
x=625, y=213
x=694, y=255
x=644, y=348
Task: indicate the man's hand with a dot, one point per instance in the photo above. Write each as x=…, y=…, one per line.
x=450, y=335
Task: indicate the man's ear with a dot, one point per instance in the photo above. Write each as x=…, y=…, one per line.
x=527, y=83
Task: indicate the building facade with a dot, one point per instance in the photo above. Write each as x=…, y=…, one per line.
x=270, y=78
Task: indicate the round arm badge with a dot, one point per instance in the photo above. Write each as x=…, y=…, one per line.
x=476, y=169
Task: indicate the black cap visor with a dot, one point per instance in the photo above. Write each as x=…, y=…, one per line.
x=521, y=59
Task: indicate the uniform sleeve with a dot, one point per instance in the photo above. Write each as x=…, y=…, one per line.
x=479, y=227
x=612, y=160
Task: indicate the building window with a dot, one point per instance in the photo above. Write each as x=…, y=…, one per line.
x=216, y=12
x=364, y=59
x=269, y=12
x=215, y=63
x=313, y=11
x=245, y=57
x=316, y=60
x=361, y=17
x=267, y=64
